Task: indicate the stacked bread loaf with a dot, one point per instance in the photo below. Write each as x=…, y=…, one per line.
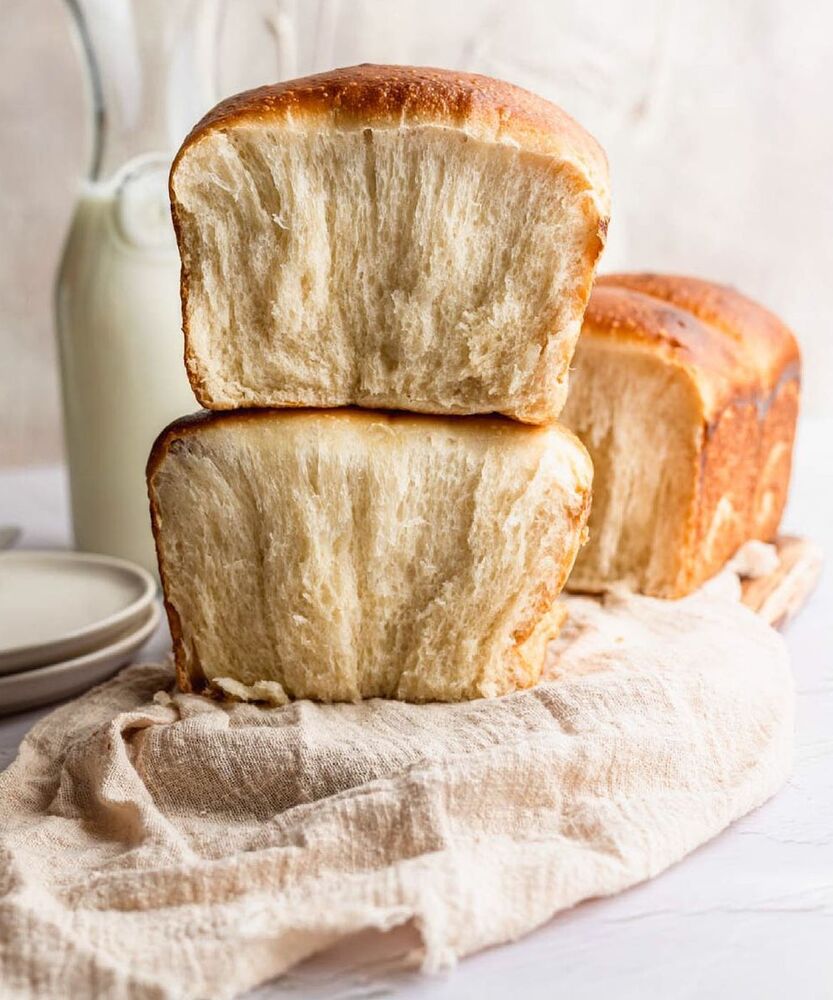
x=373, y=240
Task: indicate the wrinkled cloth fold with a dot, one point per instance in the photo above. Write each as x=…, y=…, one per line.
x=160, y=845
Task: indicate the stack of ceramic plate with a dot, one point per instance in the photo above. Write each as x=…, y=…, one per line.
x=68, y=621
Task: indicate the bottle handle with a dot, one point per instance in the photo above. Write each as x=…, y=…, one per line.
x=95, y=90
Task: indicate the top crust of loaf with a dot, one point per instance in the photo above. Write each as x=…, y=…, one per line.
x=574, y=454
x=395, y=96
x=731, y=346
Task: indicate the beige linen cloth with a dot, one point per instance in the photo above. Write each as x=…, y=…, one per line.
x=162, y=845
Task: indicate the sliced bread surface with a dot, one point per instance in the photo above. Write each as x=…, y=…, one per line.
x=387, y=236
x=339, y=555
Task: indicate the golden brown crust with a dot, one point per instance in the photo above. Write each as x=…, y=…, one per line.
x=529, y=658
x=388, y=96
x=183, y=676
x=543, y=603
x=766, y=342
x=744, y=363
x=730, y=345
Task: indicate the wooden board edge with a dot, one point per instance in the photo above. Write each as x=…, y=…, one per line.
x=778, y=596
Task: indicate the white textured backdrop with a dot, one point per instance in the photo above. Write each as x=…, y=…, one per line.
x=715, y=116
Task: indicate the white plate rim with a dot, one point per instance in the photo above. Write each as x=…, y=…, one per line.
x=36, y=654
x=121, y=648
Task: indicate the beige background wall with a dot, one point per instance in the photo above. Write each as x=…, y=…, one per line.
x=715, y=115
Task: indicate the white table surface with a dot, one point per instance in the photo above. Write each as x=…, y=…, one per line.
x=749, y=915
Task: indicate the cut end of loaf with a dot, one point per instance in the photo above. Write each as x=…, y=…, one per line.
x=368, y=554
x=436, y=259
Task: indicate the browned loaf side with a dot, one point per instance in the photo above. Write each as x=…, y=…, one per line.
x=686, y=395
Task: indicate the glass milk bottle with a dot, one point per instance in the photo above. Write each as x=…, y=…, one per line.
x=153, y=68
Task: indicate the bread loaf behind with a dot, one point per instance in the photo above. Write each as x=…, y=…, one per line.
x=686, y=395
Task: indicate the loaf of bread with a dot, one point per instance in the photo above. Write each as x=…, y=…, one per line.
x=387, y=236
x=685, y=393
x=347, y=554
